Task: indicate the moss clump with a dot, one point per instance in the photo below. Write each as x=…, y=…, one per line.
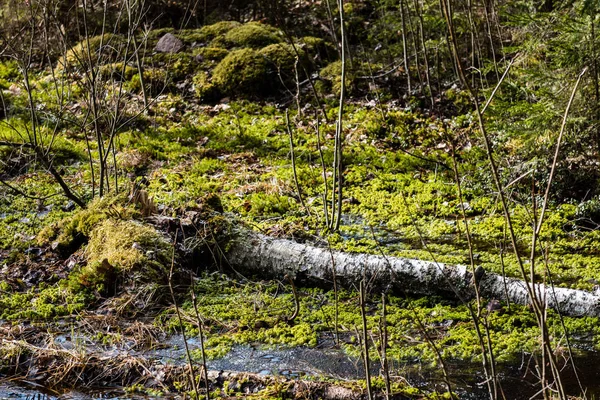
x=211, y=202
x=317, y=47
x=252, y=34
x=156, y=81
x=282, y=56
x=102, y=49
x=332, y=81
x=263, y=204
x=125, y=245
x=207, y=57
x=9, y=72
x=123, y=250
x=70, y=233
x=205, y=89
x=117, y=72
x=155, y=35
x=332, y=75
x=206, y=33
x=41, y=303
x=177, y=66
x=242, y=72
x=247, y=72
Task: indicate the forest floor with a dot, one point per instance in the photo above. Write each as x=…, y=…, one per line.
x=99, y=298
x=53, y=331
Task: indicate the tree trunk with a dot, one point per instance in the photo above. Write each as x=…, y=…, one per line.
x=253, y=253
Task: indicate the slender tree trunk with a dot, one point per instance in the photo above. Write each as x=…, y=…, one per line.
x=338, y=167
x=405, y=47
x=424, y=48
x=595, y=80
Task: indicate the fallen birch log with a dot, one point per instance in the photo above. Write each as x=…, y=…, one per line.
x=266, y=256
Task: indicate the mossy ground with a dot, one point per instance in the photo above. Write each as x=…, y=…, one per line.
x=400, y=198
x=235, y=313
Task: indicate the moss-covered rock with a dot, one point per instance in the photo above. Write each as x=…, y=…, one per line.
x=177, y=66
x=123, y=252
x=242, y=72
x=71, y=232
x=208, y=57
x=125, y=244
x=117, y=72
x=97, y=50
x=317, y=47
x=252, y=34
x=332, y=77
x=206, y=33
x=156, y=34
x=204, y=88
x=282, y=55
x=156, y=80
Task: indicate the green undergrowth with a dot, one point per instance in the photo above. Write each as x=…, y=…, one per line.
x=42, y=303
x=118, y=250
x=235, y=313
x=404, y=203
x=400, y=196
x=251, y=60
x=118, y=247
x=22, y=218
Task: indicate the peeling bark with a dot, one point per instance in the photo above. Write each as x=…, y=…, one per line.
x=266, y=256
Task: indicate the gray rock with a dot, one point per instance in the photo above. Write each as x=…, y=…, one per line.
x=168, y=44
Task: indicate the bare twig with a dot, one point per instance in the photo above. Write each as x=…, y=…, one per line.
x=365, y=339
x=192, y=377
x=293, y=157
x=296, y=300
x=201, y=334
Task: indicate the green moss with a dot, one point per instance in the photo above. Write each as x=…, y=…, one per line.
x=9, y=72
x=332, y=74
x=71, y=232
x=177, y=66
x=208, y=57
x=117, y=72
x=317, y=47
x=252, y=34
x=156, y=80
x=42, y=303
x=460, y=99
x=96, y=50
x=262, y=204
x=236, y=313
x=357, y=80
x=122, y=243
x=122, y=252
x=243, y=72
x=155, y=34
x=207, y=33
x=282, y=56
x=205, y=90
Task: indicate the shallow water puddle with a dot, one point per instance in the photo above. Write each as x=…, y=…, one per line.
x=517, y=380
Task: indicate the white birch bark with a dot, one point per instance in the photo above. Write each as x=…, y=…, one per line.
x=267, y=256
